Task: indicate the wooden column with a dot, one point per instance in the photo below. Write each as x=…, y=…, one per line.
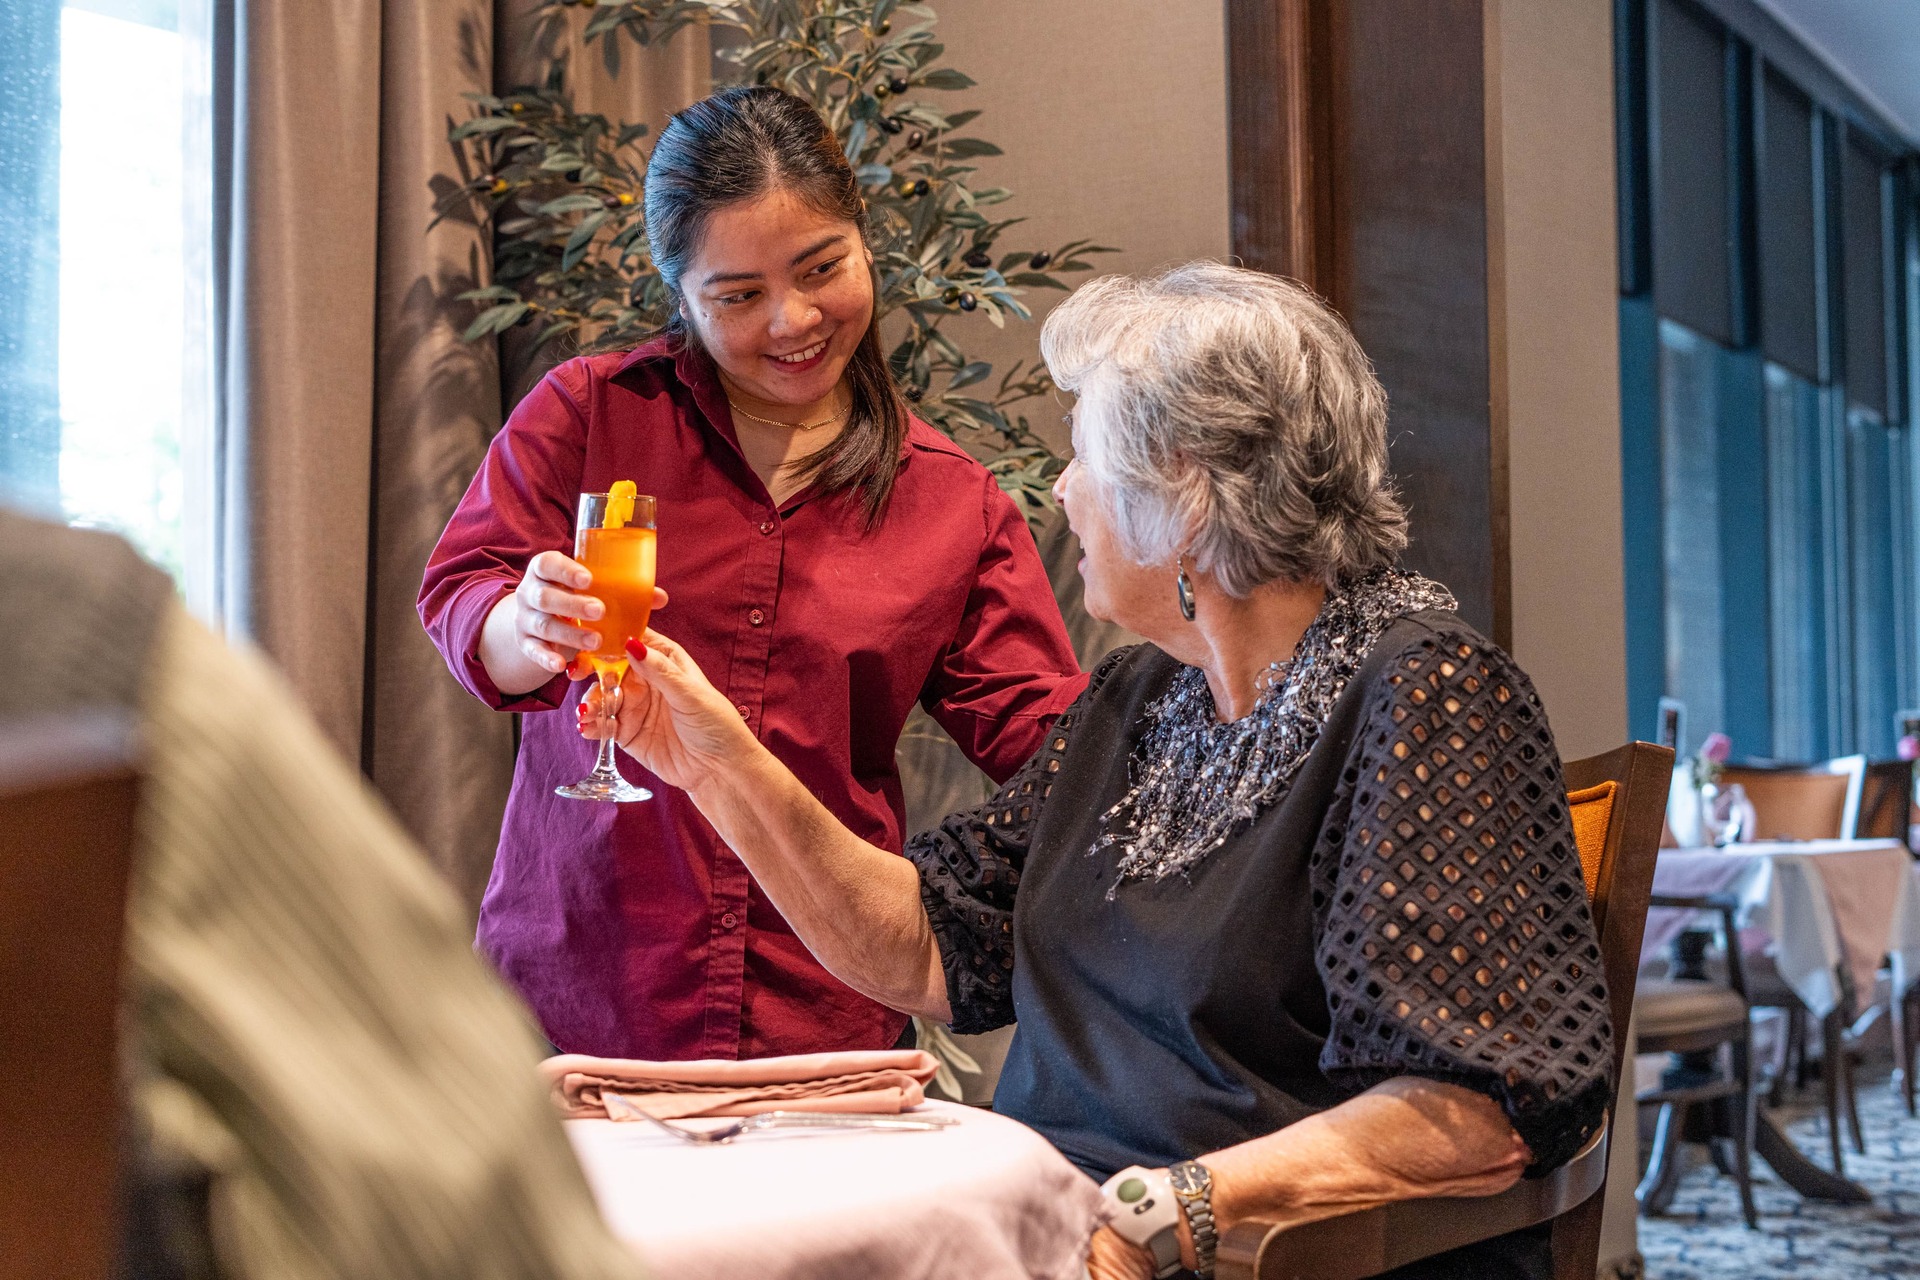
x=1359, y=163
x=1276, y=132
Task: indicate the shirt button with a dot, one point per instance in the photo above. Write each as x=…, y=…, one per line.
x=756, y=617
x=766, y=526
x=729, y=920
x=741, y=707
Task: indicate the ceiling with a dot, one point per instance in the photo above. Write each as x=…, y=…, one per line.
x=1874, y=45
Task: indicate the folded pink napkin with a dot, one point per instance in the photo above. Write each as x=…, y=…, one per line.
x=884, y=1081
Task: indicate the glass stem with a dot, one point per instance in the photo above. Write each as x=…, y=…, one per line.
x=603, y=766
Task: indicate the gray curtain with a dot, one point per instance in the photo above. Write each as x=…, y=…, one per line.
x=350, y=416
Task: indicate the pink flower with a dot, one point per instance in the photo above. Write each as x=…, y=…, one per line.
x=1909, y=748
x=1716, y=748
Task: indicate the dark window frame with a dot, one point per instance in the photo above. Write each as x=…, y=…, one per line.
x=1841, y=126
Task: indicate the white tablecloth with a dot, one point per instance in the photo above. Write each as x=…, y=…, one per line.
x=1819, y=902
x=986, y=1199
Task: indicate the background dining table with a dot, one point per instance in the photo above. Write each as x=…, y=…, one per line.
x=1818, y=907
x=986, y=1199
x=1821, y=904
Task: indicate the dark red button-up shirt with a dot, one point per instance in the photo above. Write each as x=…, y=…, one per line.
x=631, y=929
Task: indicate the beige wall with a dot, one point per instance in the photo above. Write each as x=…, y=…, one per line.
x=1112, y=114
x=1555, y=316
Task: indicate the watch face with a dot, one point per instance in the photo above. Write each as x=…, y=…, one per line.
x=1190, y=1177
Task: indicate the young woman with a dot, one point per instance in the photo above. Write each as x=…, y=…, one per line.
x=831, y=559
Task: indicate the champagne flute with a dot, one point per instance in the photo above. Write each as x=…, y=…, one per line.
x=620, y=556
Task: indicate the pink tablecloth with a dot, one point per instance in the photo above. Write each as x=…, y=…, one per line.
x=985, y=1200
x=1816, y=903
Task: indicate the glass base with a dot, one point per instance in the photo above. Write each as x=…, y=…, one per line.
x=615, y=789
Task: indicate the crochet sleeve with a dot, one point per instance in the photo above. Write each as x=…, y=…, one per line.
x=970, y=867
x=1456, y=941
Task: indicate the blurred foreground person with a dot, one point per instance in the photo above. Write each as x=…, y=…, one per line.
x=1287, y=906
x=305, y=1022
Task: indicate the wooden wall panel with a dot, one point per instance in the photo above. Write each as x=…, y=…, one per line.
x=1358, y=162
x=1409, y=270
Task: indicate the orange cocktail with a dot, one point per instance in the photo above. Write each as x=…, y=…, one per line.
x=621, y=562
x=614, y=541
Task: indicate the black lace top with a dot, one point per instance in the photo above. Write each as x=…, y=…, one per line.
x=1412, y=905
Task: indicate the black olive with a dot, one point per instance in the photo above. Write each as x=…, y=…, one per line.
x=979, y=259
x=1040, y=260
x=898, y=84
x=891, y=124
x=914, y=140
x=968, y=302
x=921, y=187
x=913, y=394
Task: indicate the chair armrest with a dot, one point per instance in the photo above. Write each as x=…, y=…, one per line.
x=1723, y=905
x=1354, y=1246
x=1694, y=902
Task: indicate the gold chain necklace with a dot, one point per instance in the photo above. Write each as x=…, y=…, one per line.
x=775, y=422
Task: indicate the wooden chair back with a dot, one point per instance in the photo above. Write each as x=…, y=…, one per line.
x=1619, y=804
x=1802, y=801
x=67, y=795
x=1886, y=802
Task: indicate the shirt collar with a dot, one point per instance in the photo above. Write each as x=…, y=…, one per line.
x=697, y=372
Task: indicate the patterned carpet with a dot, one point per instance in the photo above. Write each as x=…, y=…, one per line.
x=1703, y=1238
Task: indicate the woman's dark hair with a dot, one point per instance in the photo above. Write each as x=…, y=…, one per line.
x=741, y=144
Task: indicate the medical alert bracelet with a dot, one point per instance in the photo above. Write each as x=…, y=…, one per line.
x=1147, y=1214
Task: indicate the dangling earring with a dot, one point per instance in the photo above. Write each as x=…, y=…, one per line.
x=1184, y=586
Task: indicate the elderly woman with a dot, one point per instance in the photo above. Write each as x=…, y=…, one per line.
x=1289, y=900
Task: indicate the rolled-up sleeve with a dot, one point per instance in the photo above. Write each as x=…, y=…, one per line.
x=1456, y=942
x=519, y=504
x=1009, y=669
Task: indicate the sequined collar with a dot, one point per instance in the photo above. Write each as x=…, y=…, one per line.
x=1195, y=781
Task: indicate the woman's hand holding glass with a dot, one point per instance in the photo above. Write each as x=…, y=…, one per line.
x=671, y=718
x=553, y=598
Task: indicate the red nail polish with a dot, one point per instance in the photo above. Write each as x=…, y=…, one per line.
x=637, y=650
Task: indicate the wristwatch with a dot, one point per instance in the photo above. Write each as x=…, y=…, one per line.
x=1146, y=1213
x=1194, y=1186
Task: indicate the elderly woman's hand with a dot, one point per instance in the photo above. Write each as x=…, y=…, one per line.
x=1111, y=1258
x=671, y=718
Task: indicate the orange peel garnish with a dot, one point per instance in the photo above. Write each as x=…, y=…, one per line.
x=620, y=504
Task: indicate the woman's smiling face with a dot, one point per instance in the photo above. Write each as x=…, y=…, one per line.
x=780, y=295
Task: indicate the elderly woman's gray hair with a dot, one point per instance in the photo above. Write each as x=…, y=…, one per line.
x=1229, y=416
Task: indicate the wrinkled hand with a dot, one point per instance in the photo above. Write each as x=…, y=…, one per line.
x=671, y=718
x=1111, y=1258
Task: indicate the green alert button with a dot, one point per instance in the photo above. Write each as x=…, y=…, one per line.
x=1130, y=1190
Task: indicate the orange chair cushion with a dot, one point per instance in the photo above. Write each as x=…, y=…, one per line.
x=1592, y=810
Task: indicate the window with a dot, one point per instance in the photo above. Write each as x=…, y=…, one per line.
x=1773, y=233
x=1695, y=613
x=1796, y=560
x=97, y=342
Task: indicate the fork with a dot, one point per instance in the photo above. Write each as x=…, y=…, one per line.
x=802, y=1120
